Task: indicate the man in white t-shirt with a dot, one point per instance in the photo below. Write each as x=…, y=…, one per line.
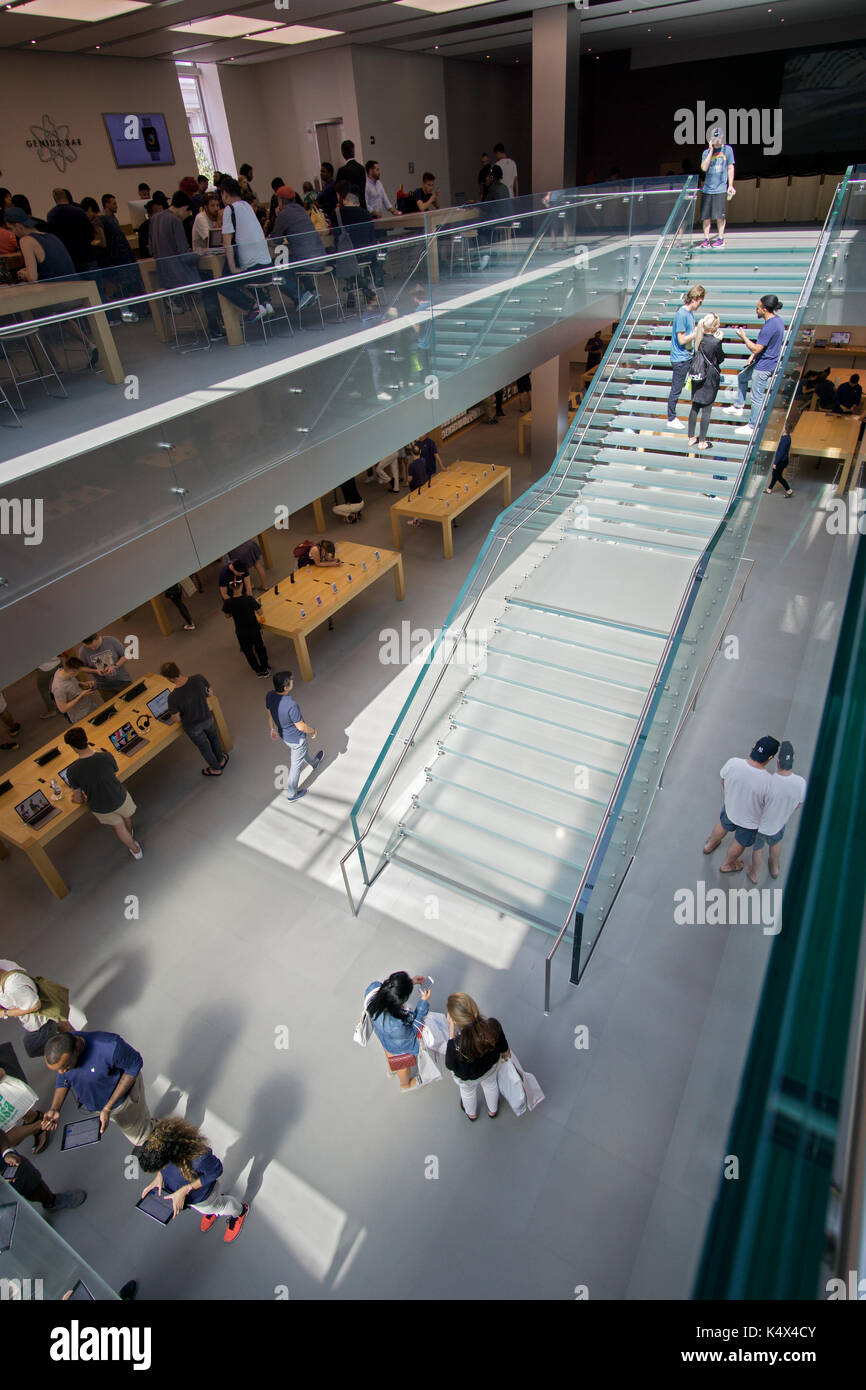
x=509, y=169
x=787, y=793
x=746, y=784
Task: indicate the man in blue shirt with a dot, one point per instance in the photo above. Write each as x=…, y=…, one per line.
x=285, y=721
x=717, y=163
x=682, y=349
x=763, y=362
x=105, y=1074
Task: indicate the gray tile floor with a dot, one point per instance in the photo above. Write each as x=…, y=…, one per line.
x=244, y=929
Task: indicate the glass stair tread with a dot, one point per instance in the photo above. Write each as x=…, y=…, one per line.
x=515, y=668
x=681, y=481
x=629, y=533
x=539, y=879
x=547, y=652
x=635, y=648
x=549, y=817
x=674, y=442
x=548, y=708
x=515, y=898
x=502, y=743
x=653, y=512
x=703, y=461
x=696, y=505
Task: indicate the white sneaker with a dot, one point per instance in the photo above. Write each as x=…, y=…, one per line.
x=136, y=853
x=734, y=409
x=675, y=425
x=384, y=396
x=484, y=262
x=189, y=627
x=743, y=429
x=269, y=308
x=304, y=300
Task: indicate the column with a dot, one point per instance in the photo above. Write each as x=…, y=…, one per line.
x=555, y=65
x=550, y=384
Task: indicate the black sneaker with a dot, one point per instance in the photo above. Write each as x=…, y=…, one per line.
x=64, y=1201
x=129, y=1290
x=318, y=758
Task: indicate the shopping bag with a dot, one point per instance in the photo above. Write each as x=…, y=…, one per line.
x=364, y=1027
x=428, y=1067
x=188, y=587
x=510, y=1085
x=16, y=1098
x=532, y=1090
x=434, y=1033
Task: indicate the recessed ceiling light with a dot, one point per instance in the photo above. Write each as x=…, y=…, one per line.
x=441, y=6
x=224, y=26
x=295, y=33
x=88, y=11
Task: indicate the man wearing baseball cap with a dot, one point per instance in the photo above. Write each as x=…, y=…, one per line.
x=717, y=163
x=303, y=241
x=746, y=786
x=787, y=794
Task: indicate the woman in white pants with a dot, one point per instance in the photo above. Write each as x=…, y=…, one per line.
x=476, y=1046
x=186, y=1175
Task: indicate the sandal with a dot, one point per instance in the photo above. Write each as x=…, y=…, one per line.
x=43, y=1138
x=210, y=772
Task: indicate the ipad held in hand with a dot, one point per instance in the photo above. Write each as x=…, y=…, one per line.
x=81, y=1132
x=156, y=1207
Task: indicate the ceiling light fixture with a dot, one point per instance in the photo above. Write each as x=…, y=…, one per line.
x=224, y=26
x=86, y=11
x=294, y=34
x=441, y=6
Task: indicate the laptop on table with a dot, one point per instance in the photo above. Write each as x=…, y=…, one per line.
x=125, y=739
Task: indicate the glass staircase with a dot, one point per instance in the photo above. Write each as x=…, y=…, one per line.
x=507, y=770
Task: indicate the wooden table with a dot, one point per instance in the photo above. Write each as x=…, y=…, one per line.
x=447, y=496
x=54, y=294
x=525, y=423
x=27, y=777
x=299, y=608
x=821, y=435
x=209, y=260
x=437, y=220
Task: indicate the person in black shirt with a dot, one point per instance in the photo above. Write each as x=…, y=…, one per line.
x=188, y=703
x=482, y=177
x=354, y=173
x=849, y=393
x=825, y=393
x=476, y=1046
x=71, y=225
x=594, y=349
x=361, y=232
x=93, y=778
x=243, y=610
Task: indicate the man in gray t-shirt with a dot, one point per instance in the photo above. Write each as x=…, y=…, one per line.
x=108, y=659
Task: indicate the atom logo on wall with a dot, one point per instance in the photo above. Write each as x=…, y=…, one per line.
x=53, y=143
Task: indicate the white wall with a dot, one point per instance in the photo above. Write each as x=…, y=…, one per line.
x=396, y=93
x=74, y=91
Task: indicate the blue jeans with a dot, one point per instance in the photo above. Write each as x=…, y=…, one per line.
x=207, y=741
x=299, y=755
x=759, y=382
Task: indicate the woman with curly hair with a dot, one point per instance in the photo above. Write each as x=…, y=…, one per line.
x=186, y=1174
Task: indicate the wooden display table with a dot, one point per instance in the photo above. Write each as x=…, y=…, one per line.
x=28, y=777
x=525, y=423
x=299, y=608
x=58, y=294
x=209, y=260
x=825, y=436
x=447, y=496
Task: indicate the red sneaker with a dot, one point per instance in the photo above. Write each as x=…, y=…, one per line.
x=233, y=1227
x=207, y=1222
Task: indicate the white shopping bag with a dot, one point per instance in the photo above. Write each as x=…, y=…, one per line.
x=532, y=1090
x=16, y=1098
x=434, y=1033
x=364, y=1027
x=428, y=1067
x=510, y=1084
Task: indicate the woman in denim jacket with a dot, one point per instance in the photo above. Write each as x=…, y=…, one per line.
x=395, y=1026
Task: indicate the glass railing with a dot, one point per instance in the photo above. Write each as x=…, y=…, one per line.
x=507, y=555
x=696, y=631
x=37, y=1264
x=180, y=420
x=768, y=1233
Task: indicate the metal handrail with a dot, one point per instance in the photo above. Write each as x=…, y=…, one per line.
x=702, y=562
x=543, y=500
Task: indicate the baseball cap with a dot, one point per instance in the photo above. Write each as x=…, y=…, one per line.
x=284, y=191
x=765, y=749
x=18, y=215
x=786, y=756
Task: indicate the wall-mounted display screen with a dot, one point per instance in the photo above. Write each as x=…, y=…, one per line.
x=138, y=140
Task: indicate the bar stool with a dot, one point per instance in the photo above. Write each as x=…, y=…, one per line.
x=4, y=400
x=195, y=335
x=315, y=276
x=464, y=245
x=263, y=292
x=29, y=341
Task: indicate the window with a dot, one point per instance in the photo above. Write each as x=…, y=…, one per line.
x=190, y=90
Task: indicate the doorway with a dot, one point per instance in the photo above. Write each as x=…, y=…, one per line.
x=329, y=137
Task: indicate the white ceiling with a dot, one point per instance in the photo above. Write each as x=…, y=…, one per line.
x=498, y=31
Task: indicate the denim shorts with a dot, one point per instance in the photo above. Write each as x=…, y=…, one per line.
x=761, y=840
x=743, y=836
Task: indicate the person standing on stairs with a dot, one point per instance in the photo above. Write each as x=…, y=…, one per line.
x=683, y=334
x=765, y=354
x=707, y=363
x=717, y=163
